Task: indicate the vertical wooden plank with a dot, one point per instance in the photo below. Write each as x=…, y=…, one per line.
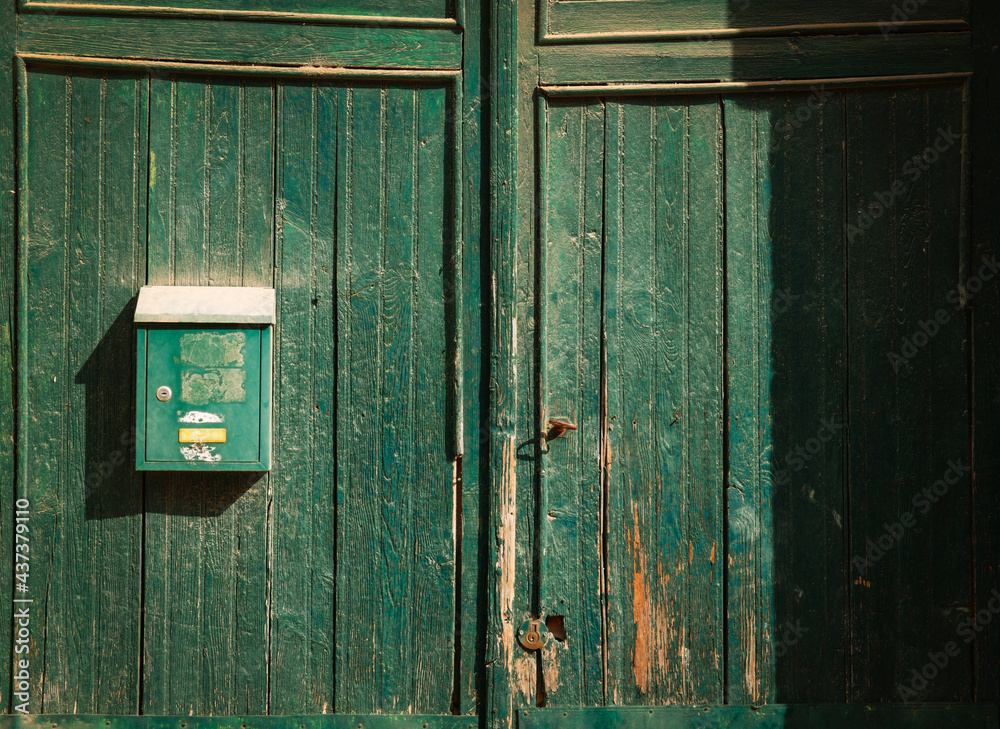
x=471, y=628
x=571, y=573
x=663, y=293
x=749, y=286
x=806, y=310
x=206, y=535
x=8, y=322
x=985, y=504
x=47, y=165
x=396, y=530
x=83, y=248
x=433, y=600
x=471, y=620
x=909, y=445
x=303, y=528
x=501, y=523
x=360, y=355
x=689, y=255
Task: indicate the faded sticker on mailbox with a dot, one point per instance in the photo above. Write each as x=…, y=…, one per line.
x=213, y=349
x=219, y=385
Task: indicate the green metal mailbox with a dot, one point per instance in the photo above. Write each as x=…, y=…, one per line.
x=203, y=396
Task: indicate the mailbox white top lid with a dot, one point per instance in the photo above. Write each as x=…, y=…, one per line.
x=205, y=305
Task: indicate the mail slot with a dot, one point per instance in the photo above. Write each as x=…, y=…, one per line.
x=203, y=401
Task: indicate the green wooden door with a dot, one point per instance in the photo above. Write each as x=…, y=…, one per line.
x=728, y=241
x=323, y=578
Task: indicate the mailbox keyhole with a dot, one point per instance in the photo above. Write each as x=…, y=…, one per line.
x=164, y=393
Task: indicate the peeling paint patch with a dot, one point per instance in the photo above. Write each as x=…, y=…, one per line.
x=200, y=452
x=550, y=665
x=213, y=349
x=220, y=385
x=196, y=416
x=525, y=676
x=641, y=613
x=506, y=549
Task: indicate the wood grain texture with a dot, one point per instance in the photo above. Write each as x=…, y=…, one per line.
x=303, y=529
x=571, y=574
x=85, y=227
x=755, y=58
x=354, y=10
x=211, y=203
x=562, y=20
x=806, y=315
x=663, y=327
x=8, y=322
x=909, y=441
x=243, y=42
x=473, y=494
x=985, y=503
x=502, y=524
x=396, y=498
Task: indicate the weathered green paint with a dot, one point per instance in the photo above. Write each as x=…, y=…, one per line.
x=392, y=12
x=288, y=721
x=346, y=580
x=775, y=716
x=566, y=21
x=663, y=332
x=8, y=319
x=82, y=254
x=187, y=39
x=745, y=59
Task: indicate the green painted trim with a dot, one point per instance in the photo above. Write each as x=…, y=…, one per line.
x=327, y=721
x=500, y=514
x=767, y=31
x=225, y=69
x=8, y=326
x=773, y=716
x=731, y=87
x=757, y=59
x=175, y=39
x=331, y=18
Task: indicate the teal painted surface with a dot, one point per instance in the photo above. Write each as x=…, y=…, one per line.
x=216, y=377
x=363, y=229
x=775, y=716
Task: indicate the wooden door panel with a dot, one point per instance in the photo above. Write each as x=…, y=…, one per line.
x=633, y=354
x=83, y=252
x=329, y=583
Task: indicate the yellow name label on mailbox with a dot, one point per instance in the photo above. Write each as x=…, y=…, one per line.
x=201, y=435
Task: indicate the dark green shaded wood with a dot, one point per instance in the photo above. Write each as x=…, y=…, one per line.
x=663, y=319
x=756, y=58
x=85, y=225
x=249, y=42
x=474, y=475
x=775, y=716
x=908, y=408
x=8, y=321
x=985, y=503
x=608, y=19
x=211, y=212
x=303, y=480
x=396, y=484
x=806, y=313
x=571, y=578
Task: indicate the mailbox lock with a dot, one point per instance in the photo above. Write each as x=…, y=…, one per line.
x=164, y=393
